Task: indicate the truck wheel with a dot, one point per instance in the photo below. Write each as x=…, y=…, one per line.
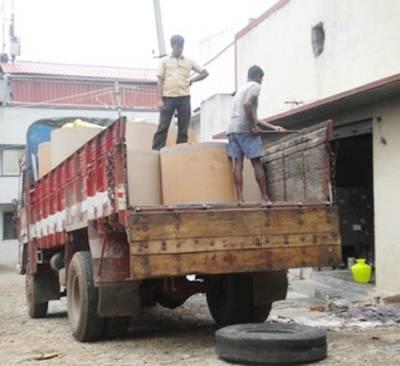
x=116, y=327
x=36, y=309
x=271, y=344
x=230, y=300
x=82, y=298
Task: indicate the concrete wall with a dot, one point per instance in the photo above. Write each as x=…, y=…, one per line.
x=8, y=248
x=361, y=46
x=386, y=177
x=215, y=115
x=387, y=195
x=8, y=189
x=219, y=57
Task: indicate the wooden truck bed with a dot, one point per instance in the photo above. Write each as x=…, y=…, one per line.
x=232, y=239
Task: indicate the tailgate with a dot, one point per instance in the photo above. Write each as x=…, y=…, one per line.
x=183, y=241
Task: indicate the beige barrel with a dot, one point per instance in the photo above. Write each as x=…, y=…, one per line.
x=144, y=178
x=44, y=158
x=196, y=173
x=173, y=134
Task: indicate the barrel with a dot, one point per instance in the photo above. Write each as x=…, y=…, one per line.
x=196, y=174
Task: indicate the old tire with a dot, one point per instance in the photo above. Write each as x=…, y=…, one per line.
x=82, y=299
x=116, y=327
x=271, y=344
x=35, y=309
x=230, y=300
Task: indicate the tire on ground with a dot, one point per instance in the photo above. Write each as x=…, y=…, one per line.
x=35, y=309
x=230, y=300
x=82, y=299
x=271, y=343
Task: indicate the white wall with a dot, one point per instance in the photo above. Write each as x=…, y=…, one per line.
x=14, y=121
x=387, y=195
x=8, y=248
x=362, y=40
x=221, y=69
x=386, y=176
x=8, y=189
x=215, y=115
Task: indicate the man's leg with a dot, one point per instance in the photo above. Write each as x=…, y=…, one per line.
x=160, y=137
x=260, y=177
x=183, y=119
x=238, y=177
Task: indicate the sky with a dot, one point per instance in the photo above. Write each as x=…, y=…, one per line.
x=118, y=32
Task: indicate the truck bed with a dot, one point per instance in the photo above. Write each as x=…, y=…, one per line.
x=210, y=240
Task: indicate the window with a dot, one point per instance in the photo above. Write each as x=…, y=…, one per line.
x=9, y=229
x=10, y=161
x=318, y=39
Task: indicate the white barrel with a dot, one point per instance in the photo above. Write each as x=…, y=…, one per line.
x=196, y=173
x=65, y=141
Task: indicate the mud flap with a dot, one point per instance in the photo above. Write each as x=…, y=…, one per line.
x=269, y=287
x=47, y=287
x=119, y=300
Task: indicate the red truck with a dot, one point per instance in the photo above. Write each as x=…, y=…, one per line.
x=79, y=238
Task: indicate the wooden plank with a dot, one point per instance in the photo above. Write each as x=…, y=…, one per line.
x=166, y=265
x=171, y=246
x=298, y=167
x=232, y=223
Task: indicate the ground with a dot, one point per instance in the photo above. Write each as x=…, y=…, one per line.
x=184, y=336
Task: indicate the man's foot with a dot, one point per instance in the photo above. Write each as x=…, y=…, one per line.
x=266, y=202
x=240, y=203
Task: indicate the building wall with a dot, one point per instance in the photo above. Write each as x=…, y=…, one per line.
x=386, y=182
x=14, y=121
x=361, y=46
x=214, y=115
x=8, y=248
x=8, y=189
x=216, y=53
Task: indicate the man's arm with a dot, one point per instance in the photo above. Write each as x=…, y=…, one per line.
x=270, y=125
x=200, y=76
x=248, y=105
x=201, y=73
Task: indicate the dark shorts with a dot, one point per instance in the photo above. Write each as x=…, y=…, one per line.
x=244, y=144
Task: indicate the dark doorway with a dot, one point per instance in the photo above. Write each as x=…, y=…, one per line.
x=353, y=180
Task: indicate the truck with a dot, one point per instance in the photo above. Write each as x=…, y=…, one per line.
x=79, y=237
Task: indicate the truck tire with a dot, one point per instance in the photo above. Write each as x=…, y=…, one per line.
x=82, y=299
x=271, y=344
x=35, y=309
x=230, y=300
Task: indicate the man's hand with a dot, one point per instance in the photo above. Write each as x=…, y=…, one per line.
x=279, y=129
x=161, y=105
x=255, y=129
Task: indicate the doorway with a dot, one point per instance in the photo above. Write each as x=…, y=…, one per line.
x=353, y=180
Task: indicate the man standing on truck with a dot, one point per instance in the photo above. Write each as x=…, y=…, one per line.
x=174, y=82
x=244, y=134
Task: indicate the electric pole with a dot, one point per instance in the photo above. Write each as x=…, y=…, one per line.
x=159, y=29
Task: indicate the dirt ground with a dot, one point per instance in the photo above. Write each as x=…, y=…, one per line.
x=184, y=336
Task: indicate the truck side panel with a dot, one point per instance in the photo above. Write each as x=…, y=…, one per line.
x=232, y=240
x=86, y=186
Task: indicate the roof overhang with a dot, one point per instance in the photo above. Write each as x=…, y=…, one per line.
x=326, y=108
